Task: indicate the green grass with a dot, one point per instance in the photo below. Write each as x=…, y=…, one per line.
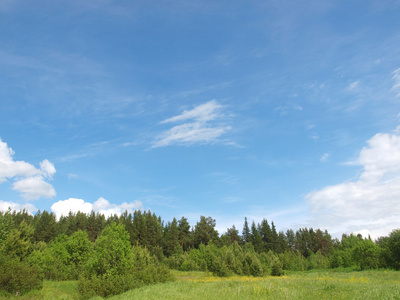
x=53, y=290
x=299, y=285
x=323, y=284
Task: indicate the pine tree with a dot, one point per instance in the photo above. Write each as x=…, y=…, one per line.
x=233, y=234
x=204, y=232
x=255, y=238
x=274, y=239
x=45, y=227
x=246, y=231
x=171, y=237
x=266, y=235
x=184, y=234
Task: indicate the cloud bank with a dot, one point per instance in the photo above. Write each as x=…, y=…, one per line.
x=29, y=181
x=202, y=125
x=5, y=205
x=102, y=206
x=371, y=203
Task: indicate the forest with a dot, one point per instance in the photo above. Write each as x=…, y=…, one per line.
x=108, y=256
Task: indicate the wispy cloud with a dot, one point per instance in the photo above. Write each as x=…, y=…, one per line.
x=203, y=124
x=396, y=77
x=224, y=177
x=324, y=157
x=284, y=110
x=353, y=85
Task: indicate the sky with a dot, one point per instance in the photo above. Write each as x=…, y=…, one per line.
x=284, y=110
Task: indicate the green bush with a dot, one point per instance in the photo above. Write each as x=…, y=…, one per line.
x=254, y=264
x=116, y=267
x=318, y=261
x=219, y=267
x=17, y=277
x=114, y=284
x=293, y=261
x=276, y=267
x=104, y=285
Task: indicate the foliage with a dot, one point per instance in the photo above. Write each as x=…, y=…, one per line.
x=318, y=261
x=6, y=225
x=366, y=254
x=112, y=253
x=18, y=242
x=204, y=232
x=293, y=261
x=116, y=267
x=393, y=249
x=137, y=246
x=277, y=267
x=18, y=277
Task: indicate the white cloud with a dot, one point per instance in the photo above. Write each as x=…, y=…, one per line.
x=34, y=187
x=10, y=168
x=28, y=180
x=370, y=203
x=204, y=126
x=103, y=206
x=63, y=207
x=4, y=205
x=47, y=168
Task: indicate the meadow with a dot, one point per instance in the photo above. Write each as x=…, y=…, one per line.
x=323, y=284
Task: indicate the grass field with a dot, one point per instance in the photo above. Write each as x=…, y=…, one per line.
x=296, y=285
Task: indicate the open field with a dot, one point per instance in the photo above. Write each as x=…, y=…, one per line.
x=324, y=284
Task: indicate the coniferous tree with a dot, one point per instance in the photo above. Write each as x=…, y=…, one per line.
x=204, y=232
x=171, y=237
x=233, y=235
x=184, y=234
x=255, y=238
x=282, y=243
x=45, y=226
x=22, y=215
x=274, y=239
x=95, y=224
x=291, y=239
x=246, y=231
x=266, y=235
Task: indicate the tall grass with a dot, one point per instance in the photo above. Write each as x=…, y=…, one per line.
x=297, y=285
x=322, y=284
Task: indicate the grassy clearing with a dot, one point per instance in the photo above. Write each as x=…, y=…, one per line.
x=296, y=285
x=301, y=285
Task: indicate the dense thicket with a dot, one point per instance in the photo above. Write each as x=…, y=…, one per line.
x=111, y=255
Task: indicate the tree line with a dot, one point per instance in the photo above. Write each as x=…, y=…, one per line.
x=111, y=255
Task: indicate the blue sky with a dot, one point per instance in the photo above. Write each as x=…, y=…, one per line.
x=283, y=110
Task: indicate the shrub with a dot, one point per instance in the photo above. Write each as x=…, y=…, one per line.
x=293, y=261
x=276, y=267
x=117, y=267
x=255, y=267
x=104, y=285
x=219, y=267
x=318, y=261
x=17, y=277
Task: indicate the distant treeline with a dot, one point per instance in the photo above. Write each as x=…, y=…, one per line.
x=111, y=255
